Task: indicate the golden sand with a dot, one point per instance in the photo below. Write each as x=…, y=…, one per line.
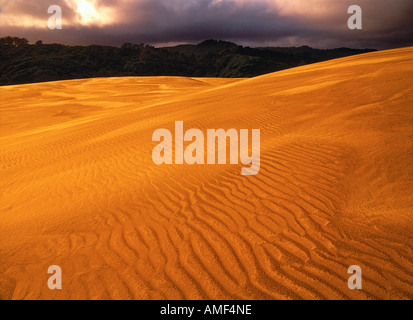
x=79, y=188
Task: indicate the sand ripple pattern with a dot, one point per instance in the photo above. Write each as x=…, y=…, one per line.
x=79, y=189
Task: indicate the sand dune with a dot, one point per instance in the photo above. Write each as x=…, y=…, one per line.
x=79, y=188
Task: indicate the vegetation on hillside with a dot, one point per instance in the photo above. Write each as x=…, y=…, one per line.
x=21, y=62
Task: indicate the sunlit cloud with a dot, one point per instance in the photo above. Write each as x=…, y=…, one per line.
x=318, y=23
x=90, y=12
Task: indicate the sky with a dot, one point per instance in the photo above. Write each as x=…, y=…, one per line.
x=317, y=23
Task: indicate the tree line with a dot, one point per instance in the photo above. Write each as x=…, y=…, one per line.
x=21, y=62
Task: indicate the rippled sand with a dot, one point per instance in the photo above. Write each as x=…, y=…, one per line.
x=79, y=188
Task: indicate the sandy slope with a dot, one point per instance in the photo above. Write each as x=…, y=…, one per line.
x=79, y=189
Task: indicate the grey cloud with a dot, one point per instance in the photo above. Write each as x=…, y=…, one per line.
x=385, y=24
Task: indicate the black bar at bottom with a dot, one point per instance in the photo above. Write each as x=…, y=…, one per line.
x=207, y=309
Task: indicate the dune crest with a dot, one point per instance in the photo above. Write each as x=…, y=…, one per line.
x=79, y=188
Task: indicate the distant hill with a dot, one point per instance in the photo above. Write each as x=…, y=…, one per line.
x=21, y=62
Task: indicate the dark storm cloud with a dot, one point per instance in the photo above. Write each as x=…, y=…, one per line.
x=319, y=23
x=202, y=19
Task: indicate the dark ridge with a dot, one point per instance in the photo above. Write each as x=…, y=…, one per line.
x=21, y=62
